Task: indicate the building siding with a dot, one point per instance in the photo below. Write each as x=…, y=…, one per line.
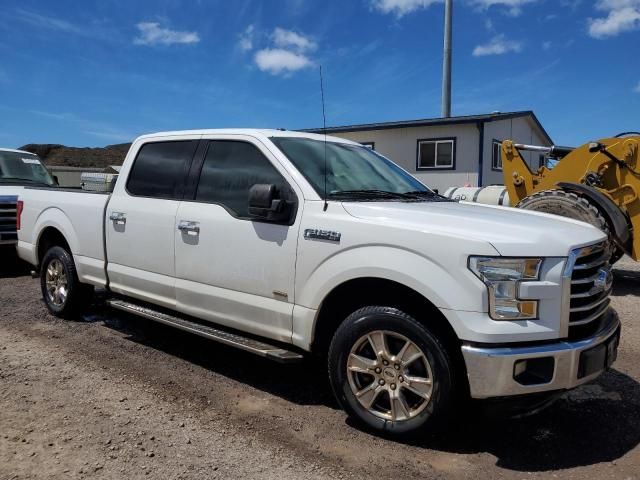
x=520, y=130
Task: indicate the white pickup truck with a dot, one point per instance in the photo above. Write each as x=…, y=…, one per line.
x=285, y=243
x=17, y=169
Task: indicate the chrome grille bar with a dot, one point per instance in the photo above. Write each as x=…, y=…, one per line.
x=590, y=284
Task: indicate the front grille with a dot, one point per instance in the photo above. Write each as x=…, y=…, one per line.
x=591, y=283
x=8, y=232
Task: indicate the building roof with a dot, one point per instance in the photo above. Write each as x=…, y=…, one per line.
x=431, y=122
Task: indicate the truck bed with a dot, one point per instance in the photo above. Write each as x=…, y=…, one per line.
x=85, y=218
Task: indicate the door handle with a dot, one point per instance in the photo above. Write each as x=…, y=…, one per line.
x=118, y=217
x=189, y=228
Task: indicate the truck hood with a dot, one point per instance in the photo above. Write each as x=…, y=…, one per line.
x=512, y=232
x=10, y=190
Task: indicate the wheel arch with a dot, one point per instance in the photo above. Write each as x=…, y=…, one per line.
x=356, y=293
x=50, y=237
x=53, y=227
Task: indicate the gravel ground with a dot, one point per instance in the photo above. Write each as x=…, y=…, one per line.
x=111, y=395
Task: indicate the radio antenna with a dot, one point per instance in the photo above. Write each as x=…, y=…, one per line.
x=324, y=130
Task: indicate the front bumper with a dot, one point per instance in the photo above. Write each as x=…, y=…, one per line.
x=502, y=371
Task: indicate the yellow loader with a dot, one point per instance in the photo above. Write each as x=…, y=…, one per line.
x=597, y=183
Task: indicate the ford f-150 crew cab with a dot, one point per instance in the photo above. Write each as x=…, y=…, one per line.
x=17, y=169
x=283, y=243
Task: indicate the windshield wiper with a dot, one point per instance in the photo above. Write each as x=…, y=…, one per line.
x=429, y=194
x=372, y=194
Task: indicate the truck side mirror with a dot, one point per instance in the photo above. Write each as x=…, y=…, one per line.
x=265, y=203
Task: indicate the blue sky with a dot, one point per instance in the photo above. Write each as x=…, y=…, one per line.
x=93, y=73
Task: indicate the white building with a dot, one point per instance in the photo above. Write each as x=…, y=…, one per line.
x=447, y=152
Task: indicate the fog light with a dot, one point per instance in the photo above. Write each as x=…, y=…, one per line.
x=534, y=371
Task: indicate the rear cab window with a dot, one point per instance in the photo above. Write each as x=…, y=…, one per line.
x=160, y=169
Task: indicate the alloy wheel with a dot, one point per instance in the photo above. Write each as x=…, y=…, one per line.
x=56, y=282
x=390, y=376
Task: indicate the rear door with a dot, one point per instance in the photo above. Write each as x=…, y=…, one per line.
x=230, y=268
x=140, y=220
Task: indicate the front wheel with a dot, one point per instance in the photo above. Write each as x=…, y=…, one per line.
x=62, y=292
x=389, y=371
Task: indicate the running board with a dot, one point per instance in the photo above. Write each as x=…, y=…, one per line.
x=232, y=339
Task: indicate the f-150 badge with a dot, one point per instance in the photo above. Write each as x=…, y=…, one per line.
x=317, y=234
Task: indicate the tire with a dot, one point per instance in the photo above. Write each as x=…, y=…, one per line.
x=571, y=205
x=62, y=292
x=356, y=336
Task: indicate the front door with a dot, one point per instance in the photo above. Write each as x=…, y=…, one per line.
x=231, y=269
x=140, y=222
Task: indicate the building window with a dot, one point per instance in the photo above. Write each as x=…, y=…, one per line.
x=436, y=154
x=496, y=155
x=371, y=145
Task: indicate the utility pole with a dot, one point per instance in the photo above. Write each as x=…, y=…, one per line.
x=446, y=61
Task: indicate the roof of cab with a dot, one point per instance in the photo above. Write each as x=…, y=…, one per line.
x=254, y=132
x=12, y=150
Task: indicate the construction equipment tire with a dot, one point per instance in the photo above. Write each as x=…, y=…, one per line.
x=570, y=205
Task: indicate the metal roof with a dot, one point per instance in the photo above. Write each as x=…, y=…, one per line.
x=431, y=122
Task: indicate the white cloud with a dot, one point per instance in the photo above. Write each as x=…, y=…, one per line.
x=637, y=89
x=621, y=16
x=246, y=39
x=288, y=39
x=401, y=7
x=498, y=45
x=52, y=23
x=288, y=53
x=151, y=33
x=277, y=61
x=513, y=7
x=546, y=45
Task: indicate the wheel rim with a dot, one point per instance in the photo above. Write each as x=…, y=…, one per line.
x=390, y=375
x=56, y=283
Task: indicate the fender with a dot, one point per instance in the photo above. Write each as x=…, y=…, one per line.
x=621, y=232
x=55, y=218
x=423, y=275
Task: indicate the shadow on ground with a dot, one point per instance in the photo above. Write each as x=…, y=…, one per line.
x=302, y=383
x=10, y=265
x=626, y=282
x=597, y=423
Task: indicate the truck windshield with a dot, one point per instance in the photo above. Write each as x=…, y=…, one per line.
x=352, y=170
x=21, y=167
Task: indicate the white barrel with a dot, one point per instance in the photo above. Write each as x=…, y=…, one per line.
x=492, y=195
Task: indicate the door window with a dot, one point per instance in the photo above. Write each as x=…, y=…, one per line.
x=230, y=169
x=160, y=169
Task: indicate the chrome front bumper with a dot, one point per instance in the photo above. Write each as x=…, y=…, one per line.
x=492, y=372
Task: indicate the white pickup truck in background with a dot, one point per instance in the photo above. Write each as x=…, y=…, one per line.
x=414, y=300
x=17, y=169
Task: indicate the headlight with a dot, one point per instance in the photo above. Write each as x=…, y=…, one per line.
x=502, y=277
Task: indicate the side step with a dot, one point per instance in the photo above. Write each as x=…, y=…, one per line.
x=233, y=339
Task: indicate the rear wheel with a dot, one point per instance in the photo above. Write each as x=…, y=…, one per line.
x=571, y=205
x=62, y=292
x=389, y=372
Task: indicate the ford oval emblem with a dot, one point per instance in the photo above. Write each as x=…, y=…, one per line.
x=604, y=280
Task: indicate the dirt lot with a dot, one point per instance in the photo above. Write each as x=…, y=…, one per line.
x=112, y=396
